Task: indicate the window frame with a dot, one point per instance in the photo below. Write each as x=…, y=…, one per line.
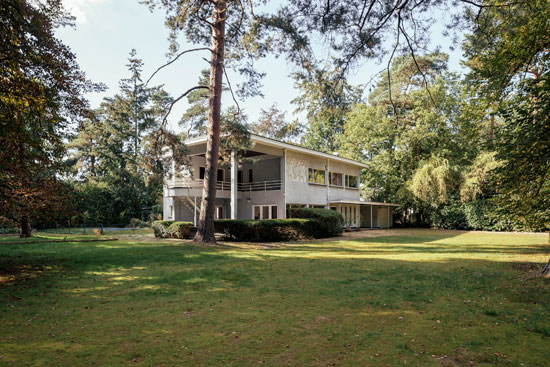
x=261, y=207
x=347, y=185
x=312, y=174
x=341, y=179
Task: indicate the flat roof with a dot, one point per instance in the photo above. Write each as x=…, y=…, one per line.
x=283, y=145
x=361, y=202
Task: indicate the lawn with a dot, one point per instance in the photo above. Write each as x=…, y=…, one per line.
x=411, y=297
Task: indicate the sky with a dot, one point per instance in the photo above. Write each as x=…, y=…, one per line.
x=106, y=30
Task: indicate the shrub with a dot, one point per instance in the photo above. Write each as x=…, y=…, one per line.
x=138, y=223
x=171, y=229
x=8, y=226
x=268, y=230
x=160, y=228
x=448, y=216
x=324, y=222
x=181, y=230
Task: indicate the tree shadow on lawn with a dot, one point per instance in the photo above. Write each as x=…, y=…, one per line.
x=194, y=267
x=440, y=248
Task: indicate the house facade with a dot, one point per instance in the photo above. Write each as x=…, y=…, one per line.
x=272, y=177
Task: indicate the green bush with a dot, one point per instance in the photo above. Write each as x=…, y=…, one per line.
x=448, y=216
x=171, y=229
x=181, y=230
x=324, y=222
x=138, y=223
x=160, y=228
x=269, y=230
x=8, y=226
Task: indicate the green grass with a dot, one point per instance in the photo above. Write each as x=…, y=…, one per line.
x=418, y=298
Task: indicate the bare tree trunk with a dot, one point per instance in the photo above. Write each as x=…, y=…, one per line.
x=25, y=225
x=205, y=228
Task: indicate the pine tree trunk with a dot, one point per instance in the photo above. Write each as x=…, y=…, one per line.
x=25, y=225
x=205, y=228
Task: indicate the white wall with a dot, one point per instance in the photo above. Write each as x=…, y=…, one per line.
x=299, y=191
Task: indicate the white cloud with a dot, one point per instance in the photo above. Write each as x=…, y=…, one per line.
x=81, y=8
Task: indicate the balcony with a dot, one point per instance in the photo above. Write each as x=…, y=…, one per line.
x=191, y=187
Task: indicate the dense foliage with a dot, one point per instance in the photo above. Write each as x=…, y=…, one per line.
x=269, y=230
x=173, y=229
x=41, y=88
x=117, y=171
x=328, y=223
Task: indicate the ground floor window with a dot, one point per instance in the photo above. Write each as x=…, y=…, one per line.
x=219, y=212
x=264, y=211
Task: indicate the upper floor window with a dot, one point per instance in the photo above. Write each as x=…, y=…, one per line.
x=352, y=181
x=316, y=176
x=219, y=177
x=335, y=179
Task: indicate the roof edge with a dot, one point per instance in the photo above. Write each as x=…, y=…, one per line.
x=295, y=147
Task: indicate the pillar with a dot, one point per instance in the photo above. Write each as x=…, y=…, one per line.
x=234, y=184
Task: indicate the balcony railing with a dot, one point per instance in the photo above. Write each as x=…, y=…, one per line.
x=226, y=186
x=260, y=186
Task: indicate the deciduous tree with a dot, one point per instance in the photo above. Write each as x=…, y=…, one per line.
x=41, y=88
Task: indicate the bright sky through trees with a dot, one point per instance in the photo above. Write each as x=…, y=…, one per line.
x=106, y=31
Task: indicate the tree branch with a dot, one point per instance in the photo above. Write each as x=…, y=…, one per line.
x=174, y=60
x=400, y=24
x=231, y=90
x=164, y=119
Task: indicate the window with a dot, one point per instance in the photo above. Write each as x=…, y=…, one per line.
x=171, y=215
x=335, y=179
x=240, y=176
x=316, y=176
x=264, y=212
x=250, y=175
x=202, y=173
x=352, y=181
x=219, y=212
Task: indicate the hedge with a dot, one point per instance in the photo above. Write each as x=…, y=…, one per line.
x=328, y=223
x=171, y=229
x=267, y=230
x=305, y=223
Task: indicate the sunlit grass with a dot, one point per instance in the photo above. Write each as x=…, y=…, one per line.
x=412, y=297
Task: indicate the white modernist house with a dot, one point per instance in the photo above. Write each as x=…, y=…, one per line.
x=272, y=177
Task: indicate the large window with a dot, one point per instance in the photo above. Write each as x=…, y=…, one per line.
x=264, y=212
x=316, y=176
x=352, y=181
x=335, y=179
x=219, y=212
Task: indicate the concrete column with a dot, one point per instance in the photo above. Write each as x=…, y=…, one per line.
x=371, y=217
x=234, y=183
